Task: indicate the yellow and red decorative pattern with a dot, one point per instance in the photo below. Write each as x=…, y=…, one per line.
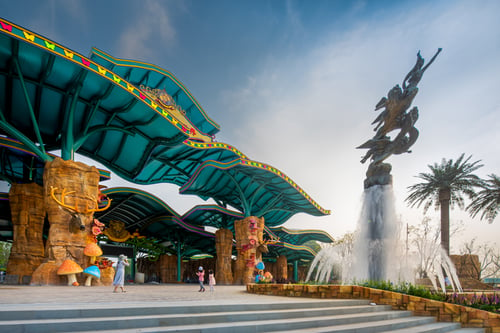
x=211, y=145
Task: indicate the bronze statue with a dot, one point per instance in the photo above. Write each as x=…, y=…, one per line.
x=393, y=117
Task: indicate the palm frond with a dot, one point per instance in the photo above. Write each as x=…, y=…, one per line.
x=455, y=176
x=487, y=200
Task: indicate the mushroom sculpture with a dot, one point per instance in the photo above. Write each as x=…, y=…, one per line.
x=91, y=272
x=92, y=250
x=70, y=268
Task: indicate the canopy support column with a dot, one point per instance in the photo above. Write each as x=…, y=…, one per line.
x=36, y=129
x=179, y=260
x=134, y=262
x=16, y=134
x=68, y=140
x=296, y=271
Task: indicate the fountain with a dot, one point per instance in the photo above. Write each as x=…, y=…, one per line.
x=376, y=242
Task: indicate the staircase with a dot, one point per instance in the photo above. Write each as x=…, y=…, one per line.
x=290, y=317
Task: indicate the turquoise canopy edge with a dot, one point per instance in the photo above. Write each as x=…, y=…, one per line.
x=208, y=126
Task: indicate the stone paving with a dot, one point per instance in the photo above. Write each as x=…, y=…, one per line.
x=36, y=297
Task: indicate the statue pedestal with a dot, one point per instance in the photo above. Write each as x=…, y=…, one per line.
x=378, y=174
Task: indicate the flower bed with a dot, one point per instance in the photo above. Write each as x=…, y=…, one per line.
x=442, y=311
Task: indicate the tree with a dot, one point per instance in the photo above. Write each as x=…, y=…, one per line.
x=487, y=255
x=487, y=200
x=425, y=239
x=443, y=187
x=4, y=254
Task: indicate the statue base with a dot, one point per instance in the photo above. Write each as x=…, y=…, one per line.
x=378, y=174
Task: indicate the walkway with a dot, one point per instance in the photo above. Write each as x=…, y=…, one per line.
x=50, y=297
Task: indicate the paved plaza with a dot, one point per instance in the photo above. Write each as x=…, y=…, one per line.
x=36, y=297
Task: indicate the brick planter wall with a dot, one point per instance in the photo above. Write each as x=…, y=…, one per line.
x=446, y=312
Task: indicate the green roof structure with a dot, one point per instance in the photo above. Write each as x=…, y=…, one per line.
x=140, y=122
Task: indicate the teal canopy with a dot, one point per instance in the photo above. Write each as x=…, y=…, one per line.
x=140, y=122
x=254, y=188
x=152, y=77
x=151, y=217
x=212, y=216
x=54, y=98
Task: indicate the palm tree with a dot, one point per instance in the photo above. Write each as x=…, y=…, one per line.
x=443, y=187
x=487, y=200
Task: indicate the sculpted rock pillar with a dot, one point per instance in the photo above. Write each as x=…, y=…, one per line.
x=76, y=186
x=249, y=234
x=282, y=268
x=168, y=268
x=224, y=248
x=28, y=213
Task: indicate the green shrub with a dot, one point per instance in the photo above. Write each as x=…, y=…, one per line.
x=487, y=302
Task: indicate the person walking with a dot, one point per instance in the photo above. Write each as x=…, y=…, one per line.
x=119, y=279
x=211, y=280
x=201, y=278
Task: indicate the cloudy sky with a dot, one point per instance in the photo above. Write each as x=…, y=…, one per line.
x=294, y=83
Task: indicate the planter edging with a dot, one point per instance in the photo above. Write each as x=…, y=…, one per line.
x=442, y=311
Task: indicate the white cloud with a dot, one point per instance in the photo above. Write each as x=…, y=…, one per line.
x=149, y=29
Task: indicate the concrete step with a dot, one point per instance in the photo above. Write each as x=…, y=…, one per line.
x=439, y=327
x=333, y=314
x=296, y=316
x=30, y=312
x=282, y=327
x=389, y=325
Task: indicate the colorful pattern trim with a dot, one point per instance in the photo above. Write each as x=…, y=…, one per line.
x=16, y=145
x=271, y=231
x=57, y=49
x=146, y=66
x=181, y=223
x=253, y=164
x=211, y=145
x=174, y=110
x=295, y=247
x=283, y=176
x=19, y=146
x=212, y=208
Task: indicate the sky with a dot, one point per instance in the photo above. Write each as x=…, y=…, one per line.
x=294, y=84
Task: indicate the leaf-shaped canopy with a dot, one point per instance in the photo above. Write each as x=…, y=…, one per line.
x=253, y=188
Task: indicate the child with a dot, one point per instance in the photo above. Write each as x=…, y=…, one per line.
x=201, y=278
x=211, y=280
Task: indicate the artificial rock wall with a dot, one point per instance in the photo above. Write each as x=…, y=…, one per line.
x=249, y=234
x=27, y=207
x=66, y=240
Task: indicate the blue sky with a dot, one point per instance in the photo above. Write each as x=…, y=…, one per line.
x=294, y=83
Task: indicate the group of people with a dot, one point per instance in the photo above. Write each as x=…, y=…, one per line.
x=119, y=280
x=201, y=279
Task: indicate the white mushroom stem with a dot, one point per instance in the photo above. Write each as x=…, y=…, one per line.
x=71, y=279
x=88, y=281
